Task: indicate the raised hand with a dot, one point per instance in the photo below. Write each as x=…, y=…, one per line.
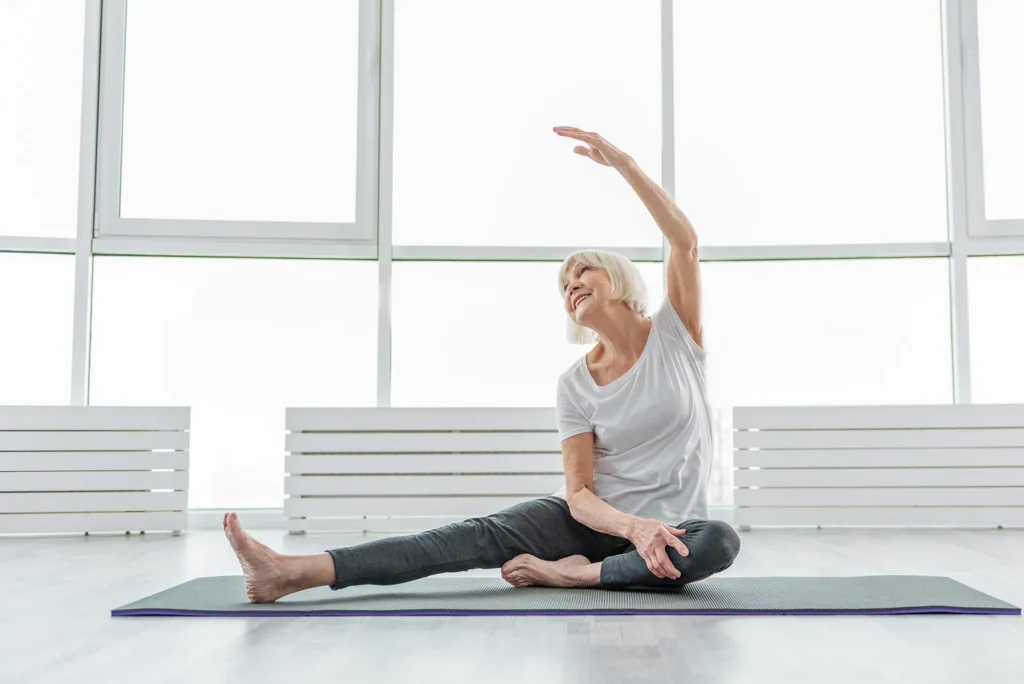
x=599, y=150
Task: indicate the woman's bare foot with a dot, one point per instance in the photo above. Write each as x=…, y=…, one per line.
x=526, y=570
x=265, y=580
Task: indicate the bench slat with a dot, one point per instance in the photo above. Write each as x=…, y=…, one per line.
x=881, y=477
x=370, y=525
x=878, y=417
x=389, y=419
x=93, y=418
x=859, y=439
x=42, y=523
x=92, y=481
x=92, y=441
x=468, y=506
x=424, y=463
x=877, y=458
x=788, y=497
x=423, y=485
x=944, y=516
x=91, y=502
x=422, y=442
x=93, y=460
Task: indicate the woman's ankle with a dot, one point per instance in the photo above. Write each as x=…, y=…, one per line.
x=585, y=575
x=307, y=572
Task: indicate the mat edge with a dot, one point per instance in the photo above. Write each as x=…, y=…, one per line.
x=925, y=610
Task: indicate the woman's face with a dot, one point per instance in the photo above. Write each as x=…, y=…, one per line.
x=590, y=283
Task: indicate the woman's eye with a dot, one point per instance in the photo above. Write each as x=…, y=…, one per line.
x=566, y=286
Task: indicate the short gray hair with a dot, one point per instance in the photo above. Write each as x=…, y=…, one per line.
x=628, y=286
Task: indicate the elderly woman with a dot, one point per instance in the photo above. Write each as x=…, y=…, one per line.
x=635, y=428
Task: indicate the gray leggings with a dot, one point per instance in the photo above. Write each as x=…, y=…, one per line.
x=541, y=527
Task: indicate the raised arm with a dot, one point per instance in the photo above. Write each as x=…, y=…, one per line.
x=684, y=285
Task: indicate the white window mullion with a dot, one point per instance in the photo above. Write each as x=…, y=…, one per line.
x=108, y=153
x=386, y=128
x=368, y=126
x=82, y=326
x=958, y=199
x=37, y=245
x=708, y=252
x=1009, y=246
x=221, y=247
x=511, y=253
x=668, y=124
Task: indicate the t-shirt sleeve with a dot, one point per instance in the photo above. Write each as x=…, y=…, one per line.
x=570, y=418
x=669, y=322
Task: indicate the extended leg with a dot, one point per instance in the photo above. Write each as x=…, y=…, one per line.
x=543, y=528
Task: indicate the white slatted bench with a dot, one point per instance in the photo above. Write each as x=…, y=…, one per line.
x=946, y=465
x=93, y=469
x=413, y=469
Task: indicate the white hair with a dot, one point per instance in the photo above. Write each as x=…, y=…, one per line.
x=627, y=286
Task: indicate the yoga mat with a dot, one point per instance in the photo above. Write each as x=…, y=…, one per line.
x=871, y=595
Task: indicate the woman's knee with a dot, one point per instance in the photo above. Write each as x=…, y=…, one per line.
x=714, y=547
x=726, y=541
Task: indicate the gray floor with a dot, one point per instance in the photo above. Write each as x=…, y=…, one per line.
x=58, y=592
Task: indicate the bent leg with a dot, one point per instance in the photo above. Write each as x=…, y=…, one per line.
x=542, y=527
x=713, y=546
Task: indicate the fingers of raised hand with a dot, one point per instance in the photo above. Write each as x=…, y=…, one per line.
x=571, y=132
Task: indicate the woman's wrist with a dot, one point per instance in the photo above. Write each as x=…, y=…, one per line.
x=629, y=526
x=627, y=164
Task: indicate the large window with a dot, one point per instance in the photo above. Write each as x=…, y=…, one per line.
x=478, y=88
x=809, y=122
x=262, y=128
x=1001, y=63
x=238, y=341
x=40, y=116
x=838, y=161
x=997, y=329
x=36, y=306
x=840, y=332
x=483, y=334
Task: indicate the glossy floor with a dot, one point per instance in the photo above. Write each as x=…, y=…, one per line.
x=57, y=593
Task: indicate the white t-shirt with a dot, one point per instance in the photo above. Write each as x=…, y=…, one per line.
x=652, y=426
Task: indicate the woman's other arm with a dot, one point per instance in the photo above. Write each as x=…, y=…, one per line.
x=585, y=506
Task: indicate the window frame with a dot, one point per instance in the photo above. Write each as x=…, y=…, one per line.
x=110, y=224
x=978, y=224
